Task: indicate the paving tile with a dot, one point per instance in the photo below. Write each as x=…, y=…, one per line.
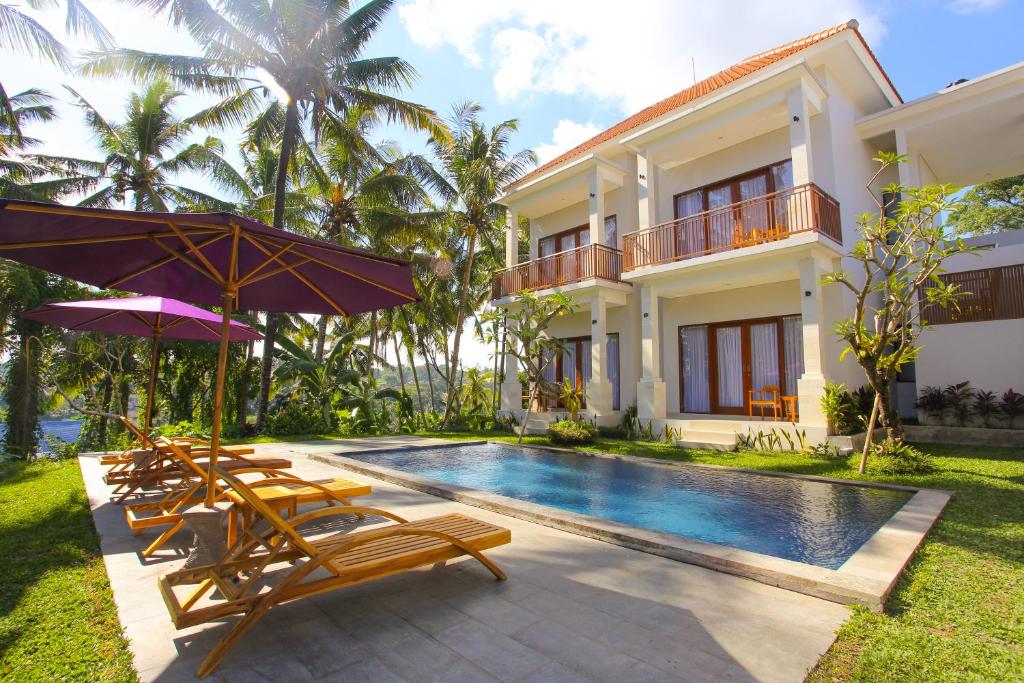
x=460, y=672
x=594, y=660
x=492, y=651
x=363, y=672
x=554, y=673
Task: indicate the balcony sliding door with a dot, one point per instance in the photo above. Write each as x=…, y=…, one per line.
x=694, y=367
x=691, y=233
x=729, y=373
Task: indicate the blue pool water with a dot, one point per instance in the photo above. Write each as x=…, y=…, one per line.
x=807, y=521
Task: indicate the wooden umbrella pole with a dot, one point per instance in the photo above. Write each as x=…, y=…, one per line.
x=218, y=394
x=154, y=362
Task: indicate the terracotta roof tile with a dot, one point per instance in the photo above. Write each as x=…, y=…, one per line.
x=702, y=88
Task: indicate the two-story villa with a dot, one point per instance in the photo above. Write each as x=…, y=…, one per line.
x=694, y=234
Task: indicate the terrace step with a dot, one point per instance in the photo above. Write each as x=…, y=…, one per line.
x=538, y=425
x=708, y=440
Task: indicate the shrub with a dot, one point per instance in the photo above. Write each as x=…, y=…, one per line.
x=864, y=397
x=569, y=433
x=959, y=398
x=297, y=418
x=932, y=401
x=841, y=409
x=59, y=449
x=616, y=432
x=985, y=406
x=1011, y=405
x=194, y=429
x=898, y=457
x=825, y=449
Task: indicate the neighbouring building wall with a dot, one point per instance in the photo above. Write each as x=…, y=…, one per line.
x=989, y=354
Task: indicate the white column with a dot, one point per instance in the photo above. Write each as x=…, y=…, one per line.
x=650, y=390
x=811, y=385
x=512, y=240
x=646, y=191
x=511, y=389
x=909, y=171
x=596, y=205
x=599, y=395
x=800, y=137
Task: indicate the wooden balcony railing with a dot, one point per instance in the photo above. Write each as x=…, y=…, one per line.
x=576, y=265
x=771, y=217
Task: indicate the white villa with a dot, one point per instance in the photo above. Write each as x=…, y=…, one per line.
x=694, y=235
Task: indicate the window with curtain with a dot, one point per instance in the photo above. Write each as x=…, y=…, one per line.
x=792, y=351
x=611, y=232
x=585, y=361
x=690, y=233
x=696, y=379
x=764, y=355
x=730, y=367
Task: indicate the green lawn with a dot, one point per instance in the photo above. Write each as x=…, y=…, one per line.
x=958, y=611
x=57, y=616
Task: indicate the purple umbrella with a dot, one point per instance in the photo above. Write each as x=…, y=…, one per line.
x=205, y=258
x=142, y=316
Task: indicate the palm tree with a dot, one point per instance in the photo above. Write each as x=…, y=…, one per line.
x=19, y=32
x=475, y=164
x=16, y=172
x=141, y=156
x=311, y=50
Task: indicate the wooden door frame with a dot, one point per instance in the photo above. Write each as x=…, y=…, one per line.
x=745, y=349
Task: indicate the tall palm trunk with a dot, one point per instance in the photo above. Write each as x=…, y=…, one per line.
x=243, y=388
x=22, y=394
x=430, y=377
x=373, y=339
x=460, y=321
x=416, y=379
x=321, y=338
x=291, y=128
x=108, y=396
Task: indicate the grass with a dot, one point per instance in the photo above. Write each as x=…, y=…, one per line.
x=957, y=613
x=57, y=615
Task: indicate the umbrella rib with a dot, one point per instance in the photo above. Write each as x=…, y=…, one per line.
x=90, y=321
x=249, y=280
x=178, y=320
x=200, y=255
x=156, y=264
x=298, y=276
x=181, y=257
x=345, y=271
x=270, y=259
x=383, y=260
x=93, y=240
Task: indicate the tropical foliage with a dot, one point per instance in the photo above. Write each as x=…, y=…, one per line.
x=312, y=107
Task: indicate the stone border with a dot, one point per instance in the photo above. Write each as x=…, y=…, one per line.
x=866, y=578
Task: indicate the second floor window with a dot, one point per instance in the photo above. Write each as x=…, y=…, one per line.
x=739, y=188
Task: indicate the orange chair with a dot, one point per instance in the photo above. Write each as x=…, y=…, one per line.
x=766, y=396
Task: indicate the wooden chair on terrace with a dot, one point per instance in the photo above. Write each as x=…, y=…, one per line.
x=766, y=396
x=279, y=490
x=294, y=565
x=160, y=464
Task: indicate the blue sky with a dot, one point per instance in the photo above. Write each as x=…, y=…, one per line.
x=568, y=68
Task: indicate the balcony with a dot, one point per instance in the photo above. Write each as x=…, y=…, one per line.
x=593, y=261
x=760, y=220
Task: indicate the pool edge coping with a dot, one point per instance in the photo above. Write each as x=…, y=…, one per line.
x=866, y=578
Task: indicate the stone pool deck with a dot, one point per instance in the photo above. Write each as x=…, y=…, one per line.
x=573, y=609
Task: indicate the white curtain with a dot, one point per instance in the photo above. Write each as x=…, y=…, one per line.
x=612, y=349
x=793, y=351
x=720, y=223
x=696, y=384
x=585, y=361
x=764, y=355
x=569, y=363
x=730, y=367
x=611, y=232
x=690, y=232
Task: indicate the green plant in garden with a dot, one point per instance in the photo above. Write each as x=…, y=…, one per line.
x=572, y=397
x=932, y=401
x=1012, y=405
x=985, y=406
x=571, y=432
x=841, y=409
x=959, y=398
x=892, y=456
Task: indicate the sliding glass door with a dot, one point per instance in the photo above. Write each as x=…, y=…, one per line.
x=720, y=363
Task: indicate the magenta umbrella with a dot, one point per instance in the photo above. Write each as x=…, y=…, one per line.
x=154, y=317
x=215, y=259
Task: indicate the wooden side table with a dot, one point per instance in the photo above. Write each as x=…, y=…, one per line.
x=789, y=407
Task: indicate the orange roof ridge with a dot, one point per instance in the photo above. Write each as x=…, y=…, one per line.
x=710, y=84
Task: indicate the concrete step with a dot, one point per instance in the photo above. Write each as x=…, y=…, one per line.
x=538, y=425
x=709, y=440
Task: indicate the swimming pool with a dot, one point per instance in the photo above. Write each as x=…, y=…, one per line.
x=813, y=522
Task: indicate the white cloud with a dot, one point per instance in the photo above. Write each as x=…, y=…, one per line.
x=629, y=58
x=974, y=6
x=567, y=134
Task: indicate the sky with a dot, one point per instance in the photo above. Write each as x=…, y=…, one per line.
x=567, y=69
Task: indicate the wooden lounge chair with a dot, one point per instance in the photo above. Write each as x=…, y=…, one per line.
x=167, y=511
x=262, y=556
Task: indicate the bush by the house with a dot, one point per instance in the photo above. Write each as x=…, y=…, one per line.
x=298, y=418
x=960, y=405
x=570, y=433
x=842, y=409
x=898, y=457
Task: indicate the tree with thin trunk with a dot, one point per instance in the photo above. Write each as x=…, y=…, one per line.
x=475, y=165
x=528, y=342
x=901, y=252
x=276, y=65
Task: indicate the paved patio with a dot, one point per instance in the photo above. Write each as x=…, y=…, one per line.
x=573, y=609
